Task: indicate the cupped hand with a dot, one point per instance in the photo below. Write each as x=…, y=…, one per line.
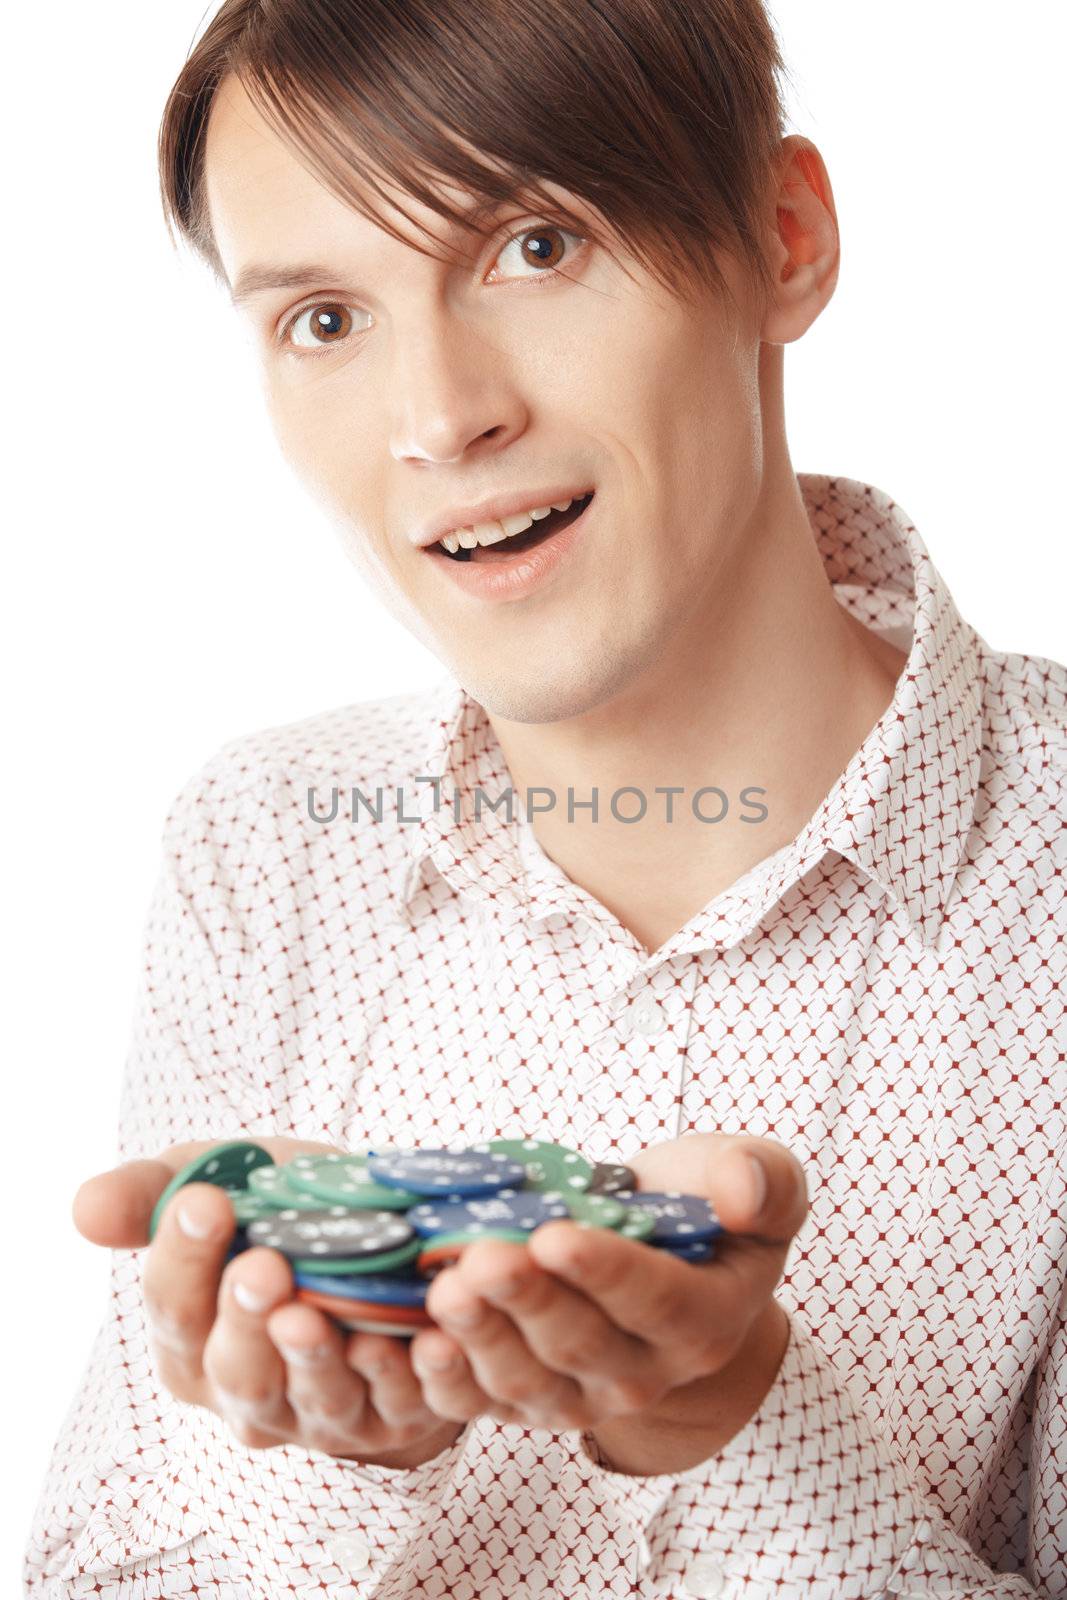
x=231, y=1337
x=582, y=1328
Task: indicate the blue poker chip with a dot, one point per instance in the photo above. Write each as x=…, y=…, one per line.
x=524, y=1209
x=381, y=1287
x=680, y=1218
x=703, y=1250
x=461, y=1173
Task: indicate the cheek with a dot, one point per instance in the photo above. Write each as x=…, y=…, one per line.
x=327, y=446
x=383, y=579
x=308, y=440
x=331, y=456
x=674, y=380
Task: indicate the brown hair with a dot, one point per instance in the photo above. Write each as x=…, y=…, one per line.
x=663, y=116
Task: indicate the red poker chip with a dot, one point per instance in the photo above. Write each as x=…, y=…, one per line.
x=437, y=1256
x=342, y=1307
x=444, y=1249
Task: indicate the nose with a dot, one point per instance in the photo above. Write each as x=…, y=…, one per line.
x=451, y=393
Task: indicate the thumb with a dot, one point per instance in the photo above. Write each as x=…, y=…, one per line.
x=756, y=1186
x=113, y=1208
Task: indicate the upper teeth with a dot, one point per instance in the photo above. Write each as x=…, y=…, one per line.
x=493, y=532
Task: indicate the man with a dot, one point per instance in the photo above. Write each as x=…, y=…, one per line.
x=805, y=957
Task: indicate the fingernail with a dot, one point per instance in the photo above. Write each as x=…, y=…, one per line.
x=192, y=1221
x=759, y=1185
x=251, y=1299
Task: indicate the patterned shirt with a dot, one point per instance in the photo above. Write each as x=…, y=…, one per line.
x=884, y=995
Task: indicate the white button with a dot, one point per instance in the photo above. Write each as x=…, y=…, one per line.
x=350, y=1552
x=647, y=1018
x=704, y=1579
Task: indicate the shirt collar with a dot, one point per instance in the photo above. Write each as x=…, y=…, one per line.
x=901, y=810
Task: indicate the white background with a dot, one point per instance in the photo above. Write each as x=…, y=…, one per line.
x=170, y=586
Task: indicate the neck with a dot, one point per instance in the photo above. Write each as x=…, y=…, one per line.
x=770, y=686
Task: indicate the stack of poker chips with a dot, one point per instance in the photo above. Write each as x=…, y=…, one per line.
x=364, y=1234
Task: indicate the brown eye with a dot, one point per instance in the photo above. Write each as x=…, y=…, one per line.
x=539, y=249
x=542, y=247
x=321, y=325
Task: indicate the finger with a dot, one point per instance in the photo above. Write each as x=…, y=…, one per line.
x=564, y=1329
x=502, y=1362
x=180, y=1282
x=330, y=1399
x=716, y=1165
x=699, y=1313
x=246, y=1373
x=396, y=1394
x=114, y=1208
x=759, y=1188
x=448, y=1384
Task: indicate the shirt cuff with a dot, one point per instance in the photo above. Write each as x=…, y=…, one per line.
x=367, y=1516
x=807, y=1499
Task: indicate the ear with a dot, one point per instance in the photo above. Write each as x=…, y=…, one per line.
x=804, y=243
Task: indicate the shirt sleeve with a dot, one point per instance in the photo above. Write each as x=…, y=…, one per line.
x=810, y=1499
x=139, y=1484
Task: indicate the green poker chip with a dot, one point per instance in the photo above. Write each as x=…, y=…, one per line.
x=272, y=1185
x=508, y=1235
x=248, y=1206
x=385, y=1262
x=635, y=1224
x=549, y=1167
x=594, y=1210
x=344, y=1181
x=227, y=1165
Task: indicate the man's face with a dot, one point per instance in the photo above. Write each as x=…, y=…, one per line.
x=407, y=386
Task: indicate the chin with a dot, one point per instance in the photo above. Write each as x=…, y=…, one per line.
x=541, y=697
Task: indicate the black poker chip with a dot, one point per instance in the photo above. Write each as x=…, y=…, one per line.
x=333, y=1234
x=611, y=1177
x=367, y=1239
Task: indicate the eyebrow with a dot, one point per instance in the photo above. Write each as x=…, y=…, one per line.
x=257, y=279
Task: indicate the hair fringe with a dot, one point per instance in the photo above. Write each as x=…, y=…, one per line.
x=663, y=119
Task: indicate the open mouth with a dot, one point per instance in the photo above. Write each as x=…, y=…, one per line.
x=520, y=543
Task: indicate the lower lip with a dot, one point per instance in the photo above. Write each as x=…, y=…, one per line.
x=513, y=580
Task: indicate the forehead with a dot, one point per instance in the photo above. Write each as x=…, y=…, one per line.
x=265, y=202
